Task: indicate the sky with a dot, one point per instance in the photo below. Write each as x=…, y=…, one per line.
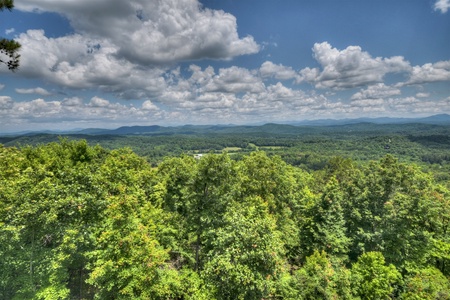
x=112, y=63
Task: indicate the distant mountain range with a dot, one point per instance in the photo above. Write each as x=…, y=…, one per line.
x=440, y=119
x=291, y=127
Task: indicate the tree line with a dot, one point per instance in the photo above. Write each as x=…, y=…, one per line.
x=83, y=222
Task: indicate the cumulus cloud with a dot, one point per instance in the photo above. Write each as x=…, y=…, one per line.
x=379, y=90
x=74, y=101
x=128, y=48
x=76, y=61
x=235, y=80
x=38, y=108
x=39, y=113
x=269, y=69
x=153, y=32
x=6, y=102
x=99, y=102
x=149, y=106
x=38, y=90
x=442, y=5
x=350, y=67
x=427, y=73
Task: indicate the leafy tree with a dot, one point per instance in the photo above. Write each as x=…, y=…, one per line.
x=196, y=193
x=279, y=186
x=127, y=258
x=440, y=253
x=209, y=195
x=318, y=279
x=372, y=279
x=173, y=182
x=48, y=199
x=324, y=228
x=246, y=252
x=392, y=208
x=9, y=48
x=427, y=284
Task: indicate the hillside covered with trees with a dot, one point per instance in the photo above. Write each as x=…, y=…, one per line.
x=83, y=222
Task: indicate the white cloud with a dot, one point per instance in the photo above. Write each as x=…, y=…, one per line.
x=379, y=90
x=403, y=101
x=72, y=102
x=442, y=5
x=269, y=69
x=9, y=30
x=78, y=62
x=149, y=106
x=428, y=73
x=2, y=86
x=39, y=114
x=280, y=92
x=99, y=102
x=153, y=32
x=38, y=90
x=368, y=103
x=129, y=47
x=36, y=109
x=234, y=80
x=6, y=102
x=350, y=67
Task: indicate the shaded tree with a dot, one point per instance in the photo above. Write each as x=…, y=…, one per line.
x=9, y=48
x=372, y=279
x=426, y=284
x=318, y=279
x=324, y=226
x=246, y=253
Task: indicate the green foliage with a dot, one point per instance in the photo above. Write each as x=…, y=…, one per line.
x=318, y=279
x=372, y=279
x=44, y=199
x=324, y=228
x=426, y=284
x=246, y=252
x=280, y=186
x=393, y=208
x=127, y=257
x=82, y=222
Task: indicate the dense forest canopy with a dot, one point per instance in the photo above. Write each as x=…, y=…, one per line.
x=84, y=222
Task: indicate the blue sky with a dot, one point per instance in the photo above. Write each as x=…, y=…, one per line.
x=109, y=63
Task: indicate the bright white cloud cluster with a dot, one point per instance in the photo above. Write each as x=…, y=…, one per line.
x=72, y=112
x=376, y=91
x=280, y=72
x=77, y=62
x=442, y=5
x=126, y=47
x=350, y=67
x=427, y=73
x=232, y=94
x=152, y=32
x=227, y=95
